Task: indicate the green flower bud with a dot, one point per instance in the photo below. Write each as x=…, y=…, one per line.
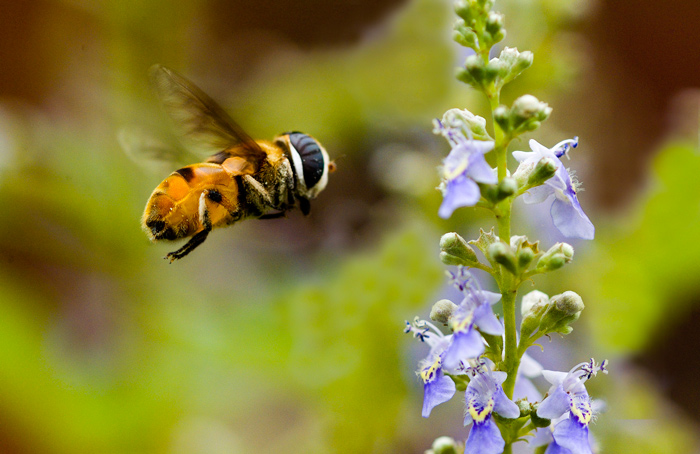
x=528, y=109
x=502, y=253
x=492, y=70
x=443, y=445
x=468, y=122
x=532, y=307
x=475, y=66
x=513, y=64
x=543, y=171
x=494, y=26
x=525, y=256
x=506, y=188
x=563, y=310
x=568, y=251
x=534, y=304
x=556, y=257
x=524, y=406
x=536, y=420
x=464, y=10
x=456, y=251
x=501, y=115
x=442, y=311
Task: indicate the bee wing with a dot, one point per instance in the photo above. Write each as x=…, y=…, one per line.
x=150, y=153
x=200, y=119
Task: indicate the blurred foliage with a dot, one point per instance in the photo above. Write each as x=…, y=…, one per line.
x=641, y=272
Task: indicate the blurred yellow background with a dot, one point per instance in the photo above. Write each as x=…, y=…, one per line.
x=287, y=334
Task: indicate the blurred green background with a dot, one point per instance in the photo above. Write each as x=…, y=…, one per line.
x=287, y=334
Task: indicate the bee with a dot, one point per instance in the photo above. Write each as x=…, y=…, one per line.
x=244, y=178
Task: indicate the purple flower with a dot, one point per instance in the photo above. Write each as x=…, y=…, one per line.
x=437, y=387
x=569, y=399
x=483, y=397
x=462, y=169
x=566, y=211
x=474, y=310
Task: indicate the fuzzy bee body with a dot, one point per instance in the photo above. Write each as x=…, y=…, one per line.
x=246, y=178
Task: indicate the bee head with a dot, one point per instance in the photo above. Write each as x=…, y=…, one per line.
x=310, y=163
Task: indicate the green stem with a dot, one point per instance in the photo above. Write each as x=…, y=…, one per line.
x=512, y=357
x=508, y=449
x=508, y=284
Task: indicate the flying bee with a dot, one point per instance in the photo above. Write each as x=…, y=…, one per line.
x=244, y=178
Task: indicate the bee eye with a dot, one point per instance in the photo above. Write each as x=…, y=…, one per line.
x=311, y=157
x=156, y=226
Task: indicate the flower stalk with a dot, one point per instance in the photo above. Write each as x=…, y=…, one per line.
x=483, y=355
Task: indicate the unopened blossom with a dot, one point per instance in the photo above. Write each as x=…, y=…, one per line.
x=566, y=211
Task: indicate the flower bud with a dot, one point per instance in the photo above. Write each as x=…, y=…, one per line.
x=506, y=188
x=538, y=421
x=464, y=35
x=468, y=122
x=524, y=406
x=454, y=250
x=532, y=307
x=501, y=115
x=443, y=445
x=513, y=63
x=527, y=107
x=534, y=304
x=502, y=253
x=556, y=257
x=493, y=29
x=563, y=310
x=543, y=171
x=442, y=311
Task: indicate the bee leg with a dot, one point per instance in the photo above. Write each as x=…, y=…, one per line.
x=198, y=237
x=304, y=205
x=195, y=241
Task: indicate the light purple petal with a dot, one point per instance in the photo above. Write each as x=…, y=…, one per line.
x=521, y=156
x=440, y=390
x=529, y=367
x=570, y=219
x=524, y=389
x=489, y=298
x=554, y=377
x=554, y=448
x=556, y=404
x=464, y=345
x=487, y=321
x=479, y=170
x=460, y=192
x=538, y=194
x=484, y=438
x=541, y=150
x=573, y=436
x=543, y=436
x=504, y=406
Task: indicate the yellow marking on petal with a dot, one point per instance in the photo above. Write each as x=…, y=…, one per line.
x=462, y=326
x=428, y=373
x=582, y=414
x=480, y=416
x=451, y=174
